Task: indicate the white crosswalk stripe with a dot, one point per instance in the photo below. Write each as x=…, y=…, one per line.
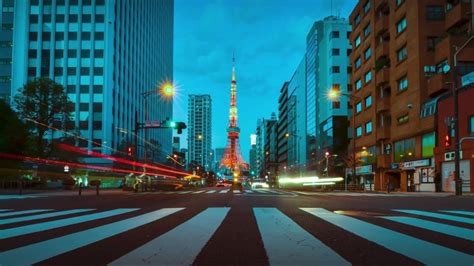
x=285, y=242
x=8, y=197
x=224, y=191
x=5, y=214
x=460, y=212
x=199, y=192
x=5, y=210
x=169, y=249
x=211, y=191
x=281, y=236
x=42, y=216
x=420, y=250
x=236, y=192
x=44, y=250
x=249, y=191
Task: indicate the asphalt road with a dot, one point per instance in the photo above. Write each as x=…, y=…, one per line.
x=213, y=226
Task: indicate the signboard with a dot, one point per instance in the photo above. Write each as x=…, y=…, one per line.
x=361, y=170
x=394, y=165
x=467, y=79
x=414, y=164
x=153, y=124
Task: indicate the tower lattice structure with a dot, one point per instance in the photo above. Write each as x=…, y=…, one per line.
x=232, y=159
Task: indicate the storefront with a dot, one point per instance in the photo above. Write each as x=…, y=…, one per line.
x=412, y=176
x=364, y=176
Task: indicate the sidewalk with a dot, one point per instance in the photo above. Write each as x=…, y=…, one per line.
x=62, y=192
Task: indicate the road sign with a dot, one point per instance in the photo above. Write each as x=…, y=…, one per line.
x=153, y=124
x=467, y=79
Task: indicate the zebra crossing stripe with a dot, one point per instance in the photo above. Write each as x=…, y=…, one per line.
x=7, y=197
x=439, y=216
x=184, y=192
x=261, y=191
x=422, y=251
x=236, y=192
x=460, y=212
x=211, y=191
x=436, y=227
x=277, y=192
x=249, y=191
x=4, y=214
x=28, y=229
x=42, y=216
x=44, y=250
x=197, y=192
x=283, y=241
x=5, y=210
x=170, y=249
x=224, y=191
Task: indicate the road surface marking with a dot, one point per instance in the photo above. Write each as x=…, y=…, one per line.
x=47, y=249
x=460, y=212
x=277, y=192
x=7, y=197
x=41, y=216
x=286, y=243
x=171, y=249
x=224, y=191
x=436, y=227
x=261, y=191
x=211, y=191
x=236, y=192
x=5, y=210
x=4, y=214
x=197, y=192
x=422, y=251
x=249, y=191
x=28, y=229
x=439, y=216
x=184, y=192
x=170, y=192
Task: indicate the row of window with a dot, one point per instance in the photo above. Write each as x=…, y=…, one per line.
x=45, y=53
x=72, y=36
x=368, y=103
x=71, y=2
x=368, y=129
x=58, y=71
x=73, y=18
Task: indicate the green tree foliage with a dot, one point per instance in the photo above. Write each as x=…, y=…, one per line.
x=44, y=106
x=13, y=132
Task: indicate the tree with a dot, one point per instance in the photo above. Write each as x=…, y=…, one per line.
x=45, y=107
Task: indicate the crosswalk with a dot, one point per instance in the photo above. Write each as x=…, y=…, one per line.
x=245, y=192
x=285, y=241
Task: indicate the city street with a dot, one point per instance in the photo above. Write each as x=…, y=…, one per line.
x=215, y=226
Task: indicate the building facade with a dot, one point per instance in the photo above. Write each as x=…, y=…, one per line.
x=282, y=129
x=6, y=48
x=327, y=67
x=105, y=56
x=200, y=130
x=219, y=153
x=271, y=148
x=394, y=42
x=260, y=147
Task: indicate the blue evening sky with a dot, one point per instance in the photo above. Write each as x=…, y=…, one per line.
x=268, y=38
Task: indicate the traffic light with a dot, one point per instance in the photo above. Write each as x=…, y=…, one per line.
x=180, y=126
x=129, y=151
x=447, y=141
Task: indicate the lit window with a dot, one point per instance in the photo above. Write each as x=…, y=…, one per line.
x=357, y=19
x=367, y=7
x=403, y=83
x=402, y=54
x=399, y=2
x=428, y=144
x=402, y=119
x=359, y=84
x=368, y=77
x=368, y=101
x=367, y=30
x=357, y=41
x=358, y=63
x=368, y=127
x=402, y=25
x=359, y=131
x=367, y=53
x=358, y=107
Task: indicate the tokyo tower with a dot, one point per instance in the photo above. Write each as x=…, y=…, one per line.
x=232, y=159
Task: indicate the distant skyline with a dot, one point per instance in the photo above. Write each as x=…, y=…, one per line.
x=268, y=39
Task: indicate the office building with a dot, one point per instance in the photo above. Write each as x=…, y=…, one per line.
x=260, y=147
x=200, y=130
x=6, y=47
x=108, y=55
x=282, y=128
x=219, y=152
x=271, y=148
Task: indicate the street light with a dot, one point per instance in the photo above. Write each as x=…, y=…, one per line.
x=334, y=95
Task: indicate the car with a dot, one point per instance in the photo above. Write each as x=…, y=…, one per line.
x=259, y=184
x=220, y=184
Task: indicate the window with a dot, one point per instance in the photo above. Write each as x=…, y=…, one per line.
x=73, y=18
x=358, y=63
x=46, y=18
x=71, y=53
x=32, y=53
x=359, y=131
x=99, y=53
x=59, y=18
x=33, y=36
x=99, y=18
x=401, y=25
x=58, y=53
x=404, y=150
x=368, y=101
x=87, y=2
x=358, y=107
x=72, y=36
x=367, y=53
x=98, y=71
x=402, y=54
x=431, y=42
x=58, y=71
x=349, y=70
x=357, y=41
x=427, y=145
x=7, y=9
x=335, y=69
x=428, y=108
x=33, y=19
x=402, y=83
x=368, y=128
x=402, y=119
x=435, y=13
x=86, y=35
x=471, y=124
x=349, y=51
x=85, y=53
x=334, y=34
x=86, y=18
x=71, y=71
x=358, y=84
x=399, y=2
x=335, y=51
x=59, y=36
x=84, y=71
x=368, y=77
x=46, y=35
x=357, y=20
x=367, y=30
x=336, y=104
x=367, y=7
x=99, y=36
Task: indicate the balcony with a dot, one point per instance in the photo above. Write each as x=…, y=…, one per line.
x=459, y=14
x=383, y=161
x=383, y=132
x=383, y=76
x=438, y=84
x=381, y=24
x=383, y=104
x=382, y=49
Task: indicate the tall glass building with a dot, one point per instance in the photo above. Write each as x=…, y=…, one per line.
x=107, y=54
x=6, y=46
x=200, y=130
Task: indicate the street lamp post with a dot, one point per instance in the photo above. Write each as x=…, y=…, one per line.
x=335, y=95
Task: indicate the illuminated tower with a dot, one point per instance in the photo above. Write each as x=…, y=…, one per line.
x=232, y=159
